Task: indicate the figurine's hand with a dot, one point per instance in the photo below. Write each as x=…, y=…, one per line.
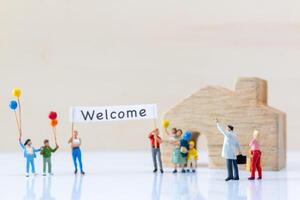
x=217, y=121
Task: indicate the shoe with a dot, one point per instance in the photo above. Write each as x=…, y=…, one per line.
x=187, y=170
x=155, y=170
x=75, y=172
x=236, y=179
x=193, y=170
x=44, y=174
x=228, y=179
x=82, y=173
x=27, y=175
x=182, y=171
x=251, y=178
x=175, y=171
x=259, y=178
x=162, y=171
x=51, y=174
x=35, y=174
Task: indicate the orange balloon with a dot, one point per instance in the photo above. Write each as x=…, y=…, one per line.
x=54, y=122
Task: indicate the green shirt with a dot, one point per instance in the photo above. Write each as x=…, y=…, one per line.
x=46, y=151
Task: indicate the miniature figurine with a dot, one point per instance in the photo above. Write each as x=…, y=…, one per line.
x=46, y=152
x=155, y=144
x=230, y=145
x=75, y=142
x=256, y=156
x=29, y=154
x=192, y=157
x=184, y=148
x=175, y=141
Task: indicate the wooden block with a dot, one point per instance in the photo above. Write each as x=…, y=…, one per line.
x=246, y=109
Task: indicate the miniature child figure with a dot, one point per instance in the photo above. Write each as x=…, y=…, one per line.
x=230, y=145
x=184, y=149
x=75, y=142
x=256, y=156
x=29, y=154
x=155, y=144
x=46, y=152
x=192, y=157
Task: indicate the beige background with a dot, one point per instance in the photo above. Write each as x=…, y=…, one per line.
x=96, y=52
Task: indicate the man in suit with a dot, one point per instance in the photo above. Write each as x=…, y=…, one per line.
x=230, y=147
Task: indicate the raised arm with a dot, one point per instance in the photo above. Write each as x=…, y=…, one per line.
x=70, y=140
x=221, y=129
x=36, y=150
x=167, y=132
x=21, y=144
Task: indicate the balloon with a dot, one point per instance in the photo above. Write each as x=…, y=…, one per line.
x=13, y=105
x=54, y=122
x=52, y=115
x=187, y=135
x=16, y=92
x=165, y=123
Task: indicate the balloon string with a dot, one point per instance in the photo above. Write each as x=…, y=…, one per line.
x=18, y=126
x=20, y=118
x=54, y=133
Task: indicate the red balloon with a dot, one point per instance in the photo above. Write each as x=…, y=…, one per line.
x=52, y=115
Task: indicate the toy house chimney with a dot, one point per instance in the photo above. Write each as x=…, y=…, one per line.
x=252, y=90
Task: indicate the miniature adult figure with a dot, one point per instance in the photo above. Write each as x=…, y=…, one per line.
x=184, y=149
x=256, y=156
x=230, y=146
x=75, y=142
x=29, y=154
x=155, y=141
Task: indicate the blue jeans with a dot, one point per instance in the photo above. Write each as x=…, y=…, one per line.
x=30, y=161
x=76, y=154
x=232, y=163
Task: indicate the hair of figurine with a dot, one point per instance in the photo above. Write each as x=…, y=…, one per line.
x=26, y=142
x=230, y=127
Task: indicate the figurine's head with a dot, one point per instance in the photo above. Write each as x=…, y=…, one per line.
x=46, y=143
x=255, y=134
x=28, y=142
x=192, y=144
x=156, y=131
x=174, y=131
x=75, y=134
x=230, y=128
x=179, y=133
x=187, y=136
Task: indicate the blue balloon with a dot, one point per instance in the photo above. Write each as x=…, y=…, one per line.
x=187, y=135
x=13, y=105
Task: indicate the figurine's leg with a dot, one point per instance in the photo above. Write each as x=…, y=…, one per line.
x=254, y=164
x=32, y=166
x=44, y=165
x=258, y=166
x=229, y=168
x=159, y=159
x=154, y=158
x=236, y=169
x=74, y=156
x=80, y=160
x=49, y=165
x=27, y=165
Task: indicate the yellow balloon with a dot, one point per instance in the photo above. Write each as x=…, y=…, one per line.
x=165, y=123
x=16, y=92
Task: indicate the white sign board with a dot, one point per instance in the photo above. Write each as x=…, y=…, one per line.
x=113, y=113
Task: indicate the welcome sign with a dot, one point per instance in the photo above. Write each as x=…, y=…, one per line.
x=113, y=113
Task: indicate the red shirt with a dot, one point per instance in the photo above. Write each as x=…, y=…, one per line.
x=151, y=137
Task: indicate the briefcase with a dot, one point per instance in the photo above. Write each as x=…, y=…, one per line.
x=241, y=160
